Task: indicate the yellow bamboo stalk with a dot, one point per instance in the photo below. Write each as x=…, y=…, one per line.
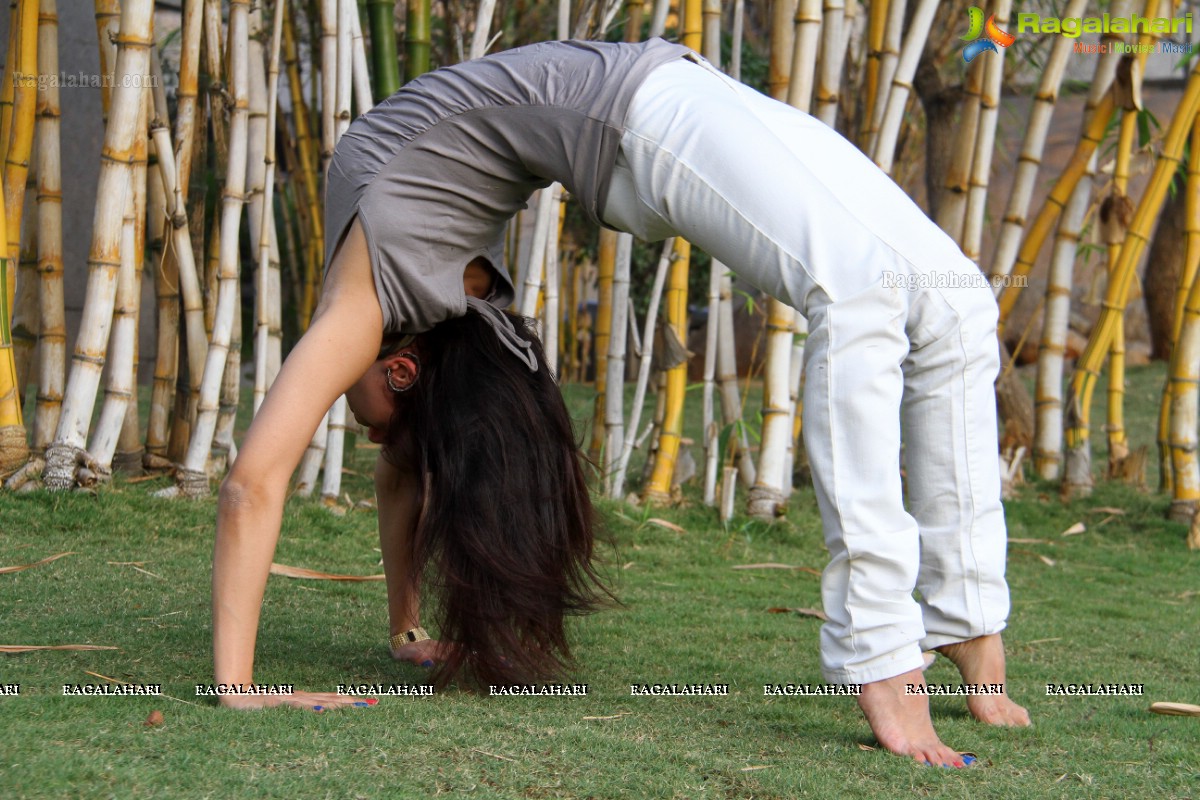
x=1183, y=382
x=877, y=15
x=52, y=332
x=658, y=488
x=607, y=261
x=6, y=88
x=104, y=255
x=778, y=67
x=1078, y=478
x=16, y=167
x=833, y=54
x=187, y=93
x=1055, y=202
x=884, y=152
x=1118, y=443
x=308, y=173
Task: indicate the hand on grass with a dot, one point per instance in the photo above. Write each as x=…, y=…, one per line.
x=317, y=701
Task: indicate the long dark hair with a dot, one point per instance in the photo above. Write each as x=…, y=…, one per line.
x=504, y=538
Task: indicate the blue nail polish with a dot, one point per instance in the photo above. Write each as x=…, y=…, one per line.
x=361, y=705
x=318, y=708
x=427, y=663
x=968, y=759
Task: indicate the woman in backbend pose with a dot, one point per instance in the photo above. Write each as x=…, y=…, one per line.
x=652, y=140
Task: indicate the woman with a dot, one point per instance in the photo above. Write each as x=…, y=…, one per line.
x=652, y=140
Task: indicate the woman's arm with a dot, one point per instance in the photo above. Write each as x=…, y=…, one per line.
x=337, y=349
x=397, y=494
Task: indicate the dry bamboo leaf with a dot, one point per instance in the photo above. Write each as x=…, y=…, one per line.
x=770, y=565
x=1048, y=561
x=312, y=574
x=866, y=747
x=22, y=648
x=662, y=523
x=494, y=755
x=46, y=560
x=804, y=612
x=612, y=716
x=1107, y=510
x=760, y=766
x=1175, y=709
x=1077, y=528
x=106, y=678
x=155, y=719
x=1043, y=641
x=1029, y=541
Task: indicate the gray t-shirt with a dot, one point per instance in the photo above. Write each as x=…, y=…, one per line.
x=435, y=171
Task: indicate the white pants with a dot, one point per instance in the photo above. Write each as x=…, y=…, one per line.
x=902, y=333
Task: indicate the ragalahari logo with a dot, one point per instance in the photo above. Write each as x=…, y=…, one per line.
x=994, y=35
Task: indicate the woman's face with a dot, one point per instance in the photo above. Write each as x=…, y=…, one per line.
x=371, y=400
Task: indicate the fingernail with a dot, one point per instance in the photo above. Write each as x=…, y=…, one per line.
x=318, y=708
x=928, y=764
x=362, y=705
x=968, y=760
x=372, y=701
x=427, y=663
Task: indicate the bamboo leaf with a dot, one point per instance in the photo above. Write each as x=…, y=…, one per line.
x=21, y=648
x=804, y=612
x=46, y=560
x=312, y=574
x=1075, y=529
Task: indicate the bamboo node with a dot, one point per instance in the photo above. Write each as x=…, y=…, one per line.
x=192, y=483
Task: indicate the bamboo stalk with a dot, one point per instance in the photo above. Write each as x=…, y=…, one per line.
x=889, y=58
x=483, y=22
x=1118, y=442
x=534, y=270
x=1078, y=476
x=218, y=93
x=1183, y=382
x=1187, y=279
x=167, y=298
x=187, y=94
x=192, y=476
x=223, y=449
x=52, y=332
x=16, y=167
x=833, y=54
x=119, y=390
x=799, y=89
x=417, y=42
x=952, y=206
x=605, y=311
x=308, y=199
x=104, y=256
x=8, y=85
x=766, y=497
x=781, y=40
x=553, y=319
x=669, y=253
x=129, y=450
x=108, y=17
x=910, y=54
x=314, y=456
x=183, y=258
x=1047, y=450
x=268, y=312
x=331, y=484
x=737, y=33
x=614, y=364
x=658, y=488
x=1034, y=143
x=1057, y=199
x=329, y=57
x=709, y=429
x=382, y=21
x=360, y=74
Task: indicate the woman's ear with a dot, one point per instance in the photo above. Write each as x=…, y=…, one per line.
x=403, y=369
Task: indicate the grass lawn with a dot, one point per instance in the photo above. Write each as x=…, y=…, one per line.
x=1117, y=603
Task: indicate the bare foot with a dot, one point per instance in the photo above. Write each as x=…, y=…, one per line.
x=981, y=661
x=425, y=653
x=901, y=721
